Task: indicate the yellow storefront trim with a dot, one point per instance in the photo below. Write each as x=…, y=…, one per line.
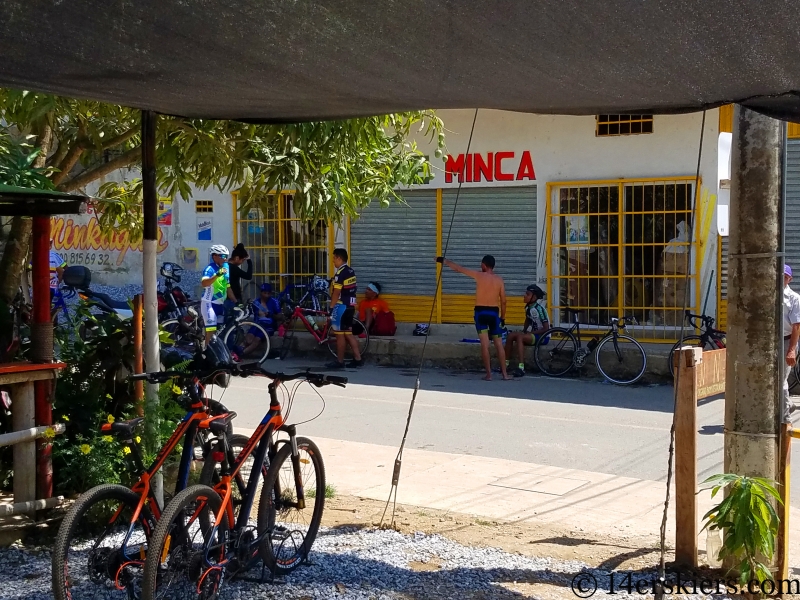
x=459, y=308
x=726, y=118
x=409, y=309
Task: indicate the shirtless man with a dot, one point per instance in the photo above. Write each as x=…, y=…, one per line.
x=490, y=309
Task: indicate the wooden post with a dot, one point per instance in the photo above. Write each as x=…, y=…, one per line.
x=138, y=358
x=23, y=417
x=687, y=361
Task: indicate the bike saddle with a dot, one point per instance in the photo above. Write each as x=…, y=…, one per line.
x=109, y=301
x=124, y=428
x=218, y=424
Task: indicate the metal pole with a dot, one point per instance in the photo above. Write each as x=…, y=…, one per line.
x=150, y=285
x=754, y=385
x=138, y=356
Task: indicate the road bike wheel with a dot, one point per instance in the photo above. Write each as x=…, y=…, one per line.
x=211, y=473
x=248, y=340
x=554, y=352
x=184, y=546
x=287, y=531
x=361, y=334
x=621, y=360
x=87, y=555
x=177, y=338
x=690, y=340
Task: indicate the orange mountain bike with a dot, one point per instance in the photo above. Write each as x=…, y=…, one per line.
x=200, y=539
x=102, y=540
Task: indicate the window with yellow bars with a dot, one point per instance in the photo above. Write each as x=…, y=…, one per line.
x=610, y=125
x=621, y=248
x=285, y=250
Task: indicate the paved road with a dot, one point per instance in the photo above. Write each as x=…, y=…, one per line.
x=566, y=423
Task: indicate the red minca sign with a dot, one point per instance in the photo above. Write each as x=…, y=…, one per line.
x=492, y=166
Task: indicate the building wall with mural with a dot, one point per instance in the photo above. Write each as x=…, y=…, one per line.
x=186, y=229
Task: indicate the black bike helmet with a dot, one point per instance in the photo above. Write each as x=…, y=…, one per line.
x=535, y=289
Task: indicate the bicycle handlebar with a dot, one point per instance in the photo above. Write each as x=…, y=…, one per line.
x=317, y=379
x=708, y=322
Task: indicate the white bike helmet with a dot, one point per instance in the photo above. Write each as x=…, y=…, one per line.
x=219, y=249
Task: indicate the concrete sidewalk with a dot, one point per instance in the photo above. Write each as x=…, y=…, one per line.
x=445, y=349
x=606, y=505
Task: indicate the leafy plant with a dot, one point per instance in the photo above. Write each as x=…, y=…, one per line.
x=17, y=158
x=748, y=521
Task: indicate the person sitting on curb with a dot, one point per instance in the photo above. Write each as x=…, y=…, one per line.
x=536, y=319
x=268, y=314
x=374, y=312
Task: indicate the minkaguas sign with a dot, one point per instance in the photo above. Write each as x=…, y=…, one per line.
x=492, y=166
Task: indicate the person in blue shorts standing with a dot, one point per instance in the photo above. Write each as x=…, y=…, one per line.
x=343, y=301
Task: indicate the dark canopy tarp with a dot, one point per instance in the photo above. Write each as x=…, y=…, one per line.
x=285, y=60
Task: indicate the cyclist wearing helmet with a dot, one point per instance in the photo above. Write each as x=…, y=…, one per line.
x=536, y=318
x=216, y=288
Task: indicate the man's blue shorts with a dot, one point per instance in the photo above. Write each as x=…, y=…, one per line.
x=342, y=318
x=487, y=319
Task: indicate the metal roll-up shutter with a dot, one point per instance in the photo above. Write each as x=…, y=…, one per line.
x=723, y=268
x=496, y=221
x=396, y=245
x=792, y=225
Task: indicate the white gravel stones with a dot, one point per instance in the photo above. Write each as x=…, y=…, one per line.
x=358, y=564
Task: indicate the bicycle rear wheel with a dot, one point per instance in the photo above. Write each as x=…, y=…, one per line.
x=287, y=531
x=554, y=352
x=87, y=557
x=359, y=332
x=248, y=340
x=690, y=340
x=621, y=359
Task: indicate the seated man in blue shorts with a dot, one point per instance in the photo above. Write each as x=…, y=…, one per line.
x=536, y=319
x=267, y=313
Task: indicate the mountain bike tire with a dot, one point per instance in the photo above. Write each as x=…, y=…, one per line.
x=281, y=548
x=69, y=582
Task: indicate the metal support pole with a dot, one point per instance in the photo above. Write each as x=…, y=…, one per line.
x=138, y=356
x=150, y=284
x=754, y=386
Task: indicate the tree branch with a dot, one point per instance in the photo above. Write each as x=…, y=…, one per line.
x=69, y=161
x=59, y=154
x=83, y=179
x=120, y=139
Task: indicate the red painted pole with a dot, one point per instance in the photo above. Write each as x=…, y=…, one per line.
x=40, y=243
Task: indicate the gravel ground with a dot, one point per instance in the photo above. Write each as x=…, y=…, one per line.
x=369, y=564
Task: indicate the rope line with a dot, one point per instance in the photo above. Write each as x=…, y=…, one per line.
x=659, y=595
x=398, y=462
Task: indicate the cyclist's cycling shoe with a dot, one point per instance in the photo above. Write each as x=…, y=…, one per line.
x=519, y=373
x=355, y=363
x=334, y=365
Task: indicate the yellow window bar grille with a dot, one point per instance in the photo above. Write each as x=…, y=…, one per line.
x=622, y=248
x=285, y=249
x=611, y=125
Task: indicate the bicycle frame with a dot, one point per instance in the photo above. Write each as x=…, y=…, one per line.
x=322, y=336
x=187, y=430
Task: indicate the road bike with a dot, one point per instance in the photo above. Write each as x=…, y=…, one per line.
x=200, y=541
x=314, y=295
x=619, y=357
x=318, y=324
x=708, y=339
x=102, y=541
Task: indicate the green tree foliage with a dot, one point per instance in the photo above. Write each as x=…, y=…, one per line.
x=335, y=168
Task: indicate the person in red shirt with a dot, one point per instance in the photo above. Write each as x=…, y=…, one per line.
x=371, y=305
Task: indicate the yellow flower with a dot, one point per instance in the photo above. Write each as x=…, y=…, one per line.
x=176, y=390
x=109, y=396
x=126, y=450
x=86, y=448
x=49, y=433
x=110, y=418
x=65, y=418
x=108, y=438
x=138, y=440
